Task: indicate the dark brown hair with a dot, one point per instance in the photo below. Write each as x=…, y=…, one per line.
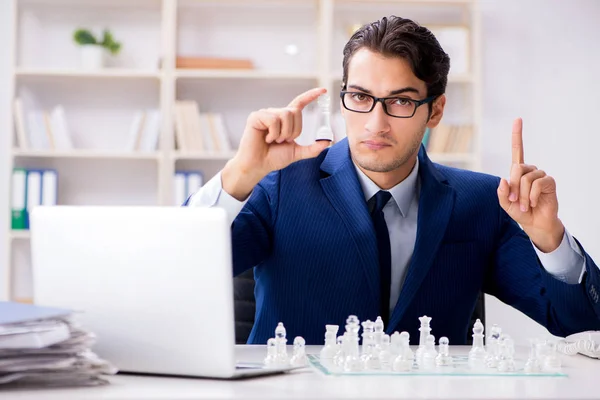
x=400, y=37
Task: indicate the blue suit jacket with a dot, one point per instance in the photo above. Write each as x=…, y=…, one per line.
x=308, y=234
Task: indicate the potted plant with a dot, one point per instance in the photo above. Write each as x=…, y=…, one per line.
x=93, y=51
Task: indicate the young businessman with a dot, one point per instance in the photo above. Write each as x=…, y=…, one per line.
x=372, y=227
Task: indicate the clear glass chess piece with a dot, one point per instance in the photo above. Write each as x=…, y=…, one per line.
x=353, y=362
x=403, y=362
x=339, y=359
x=405, y=340
x=430, y=354
x=324, y=132
x=492, y=350
x=395, y=343
x=329, y=349
x=424, y=330
x=299, y=352
x=477, y=354
x=370, y=355
x=532, y=365
x=385, y=355
x=443, y=358
x=271, y=358
x=281, y=343
x=507, y=352
x=552, y=363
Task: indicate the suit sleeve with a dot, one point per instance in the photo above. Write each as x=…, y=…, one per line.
x=518, y=279
x=252, y=229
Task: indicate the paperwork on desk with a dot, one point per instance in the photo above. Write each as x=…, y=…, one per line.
x=43, y=346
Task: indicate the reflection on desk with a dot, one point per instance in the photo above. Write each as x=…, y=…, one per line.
x=306, y=383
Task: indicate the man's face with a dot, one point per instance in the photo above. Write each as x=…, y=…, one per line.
x=379, y=142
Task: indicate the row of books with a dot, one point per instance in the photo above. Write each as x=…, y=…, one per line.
x=41, y=129
x=30, y=188
x=196, y=131
x=449, y=139
x=186, y=183
x=144, y=130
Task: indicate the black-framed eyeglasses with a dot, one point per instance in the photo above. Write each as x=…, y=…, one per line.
x=398, y=107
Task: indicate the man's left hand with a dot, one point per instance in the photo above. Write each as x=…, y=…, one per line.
x=530, y=198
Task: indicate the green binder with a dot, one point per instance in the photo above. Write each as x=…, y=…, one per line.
x=19, y=199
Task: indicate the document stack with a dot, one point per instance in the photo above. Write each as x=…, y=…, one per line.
x=43, y=346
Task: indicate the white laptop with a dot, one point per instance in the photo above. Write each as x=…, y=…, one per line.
x=153, y=283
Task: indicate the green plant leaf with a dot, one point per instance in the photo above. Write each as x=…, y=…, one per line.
x=109, y=42
x=84, y=36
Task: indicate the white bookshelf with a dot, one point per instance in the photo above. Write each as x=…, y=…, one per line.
x=294, y=45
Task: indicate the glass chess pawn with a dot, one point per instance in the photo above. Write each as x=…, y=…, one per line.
x=324, y=131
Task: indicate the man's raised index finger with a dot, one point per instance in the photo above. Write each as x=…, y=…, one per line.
x=302, y=100
x=517, y=142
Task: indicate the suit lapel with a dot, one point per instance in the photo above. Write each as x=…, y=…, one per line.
x=342, y=188
x=436, y=202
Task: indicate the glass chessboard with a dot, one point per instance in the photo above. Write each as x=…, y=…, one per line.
x=459, y=367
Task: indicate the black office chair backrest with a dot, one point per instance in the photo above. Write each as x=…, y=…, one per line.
x=243, y=291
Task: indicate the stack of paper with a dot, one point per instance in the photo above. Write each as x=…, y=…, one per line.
x=45, y=346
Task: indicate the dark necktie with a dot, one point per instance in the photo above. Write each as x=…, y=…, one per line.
x=376, y=204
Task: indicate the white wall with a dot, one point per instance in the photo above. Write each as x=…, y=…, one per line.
x=541, y=62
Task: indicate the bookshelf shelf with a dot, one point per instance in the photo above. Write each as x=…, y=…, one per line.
x=86, y=154
x=292, y=46
x=108, y=73
x=199, y=156
x=242, y=74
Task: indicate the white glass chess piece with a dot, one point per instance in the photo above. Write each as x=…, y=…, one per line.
x=552, y=363
x=532, y=365
x=430, y=354
x=378, y=335
x=405, y=340
x=477, y=354
x=329, y=349
x=324, y=132
x=299, y=353
x=404, y=361
x=370, y=355
x=339, y=359
x=493, y=353
x=507, y=352
x=353, y=362
x=443, y=358
x=281, y=343
x=425, y=330
x=271, y=358
x=385, y=355
x=395, y=341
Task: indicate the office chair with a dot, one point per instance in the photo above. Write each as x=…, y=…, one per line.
x=243, y=294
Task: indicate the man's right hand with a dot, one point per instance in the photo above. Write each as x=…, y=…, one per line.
x=268, y=145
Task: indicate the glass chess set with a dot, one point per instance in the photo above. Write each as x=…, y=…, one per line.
x=382, y=354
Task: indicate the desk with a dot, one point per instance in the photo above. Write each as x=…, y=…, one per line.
x=582, y=383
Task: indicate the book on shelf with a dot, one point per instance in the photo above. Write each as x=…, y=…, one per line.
x=447, y=138
x=31, y=188
x=213, y=63
x=39, y=129
x=197, y=131
x=186, y=183
x=144, y=131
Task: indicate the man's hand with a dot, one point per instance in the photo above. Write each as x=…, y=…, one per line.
x=530, y=198
x=268, y=145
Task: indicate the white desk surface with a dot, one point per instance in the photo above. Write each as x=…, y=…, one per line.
x=582, y=383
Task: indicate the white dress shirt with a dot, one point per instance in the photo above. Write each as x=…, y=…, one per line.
x=565, y=263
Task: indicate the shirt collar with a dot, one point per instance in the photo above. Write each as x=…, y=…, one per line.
x=402, y=193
